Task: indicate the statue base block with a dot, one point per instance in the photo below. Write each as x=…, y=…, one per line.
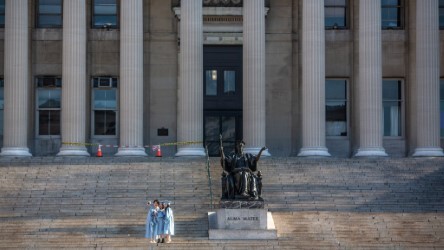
x=237, y=204
x=241, y=224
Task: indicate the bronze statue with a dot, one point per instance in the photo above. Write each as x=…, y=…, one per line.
x=239, y=180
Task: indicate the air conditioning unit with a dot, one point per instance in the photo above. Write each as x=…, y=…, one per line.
x=105, y=82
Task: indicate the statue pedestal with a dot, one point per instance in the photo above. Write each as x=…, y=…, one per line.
x=241, y=224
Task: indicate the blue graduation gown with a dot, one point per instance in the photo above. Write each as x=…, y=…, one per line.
x=160, y=221
x=151, y=224
x=168, y=227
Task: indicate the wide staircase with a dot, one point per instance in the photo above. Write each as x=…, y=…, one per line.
x=317, y=203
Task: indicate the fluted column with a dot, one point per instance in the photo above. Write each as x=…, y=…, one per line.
x=131, y=79
x=190, y=89
x=254, y=76
x=16, y=79
x=313, y=79
x=369, y=79
x=74, y=78
x=427, y=79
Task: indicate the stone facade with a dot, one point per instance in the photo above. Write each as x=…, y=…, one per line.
x=286, y=115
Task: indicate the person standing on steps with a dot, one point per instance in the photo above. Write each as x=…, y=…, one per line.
x=160, y=226
x=168, y=228
x=152, y=221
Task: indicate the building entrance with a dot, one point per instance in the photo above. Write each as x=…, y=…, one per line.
x=222, y=79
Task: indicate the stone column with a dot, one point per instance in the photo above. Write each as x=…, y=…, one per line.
x=368, y=81
x=254, y=76
x=74, y=78
x=190, y=89
x=426, y=46
x=313, y=79
x=16, y=79
x=131, y=79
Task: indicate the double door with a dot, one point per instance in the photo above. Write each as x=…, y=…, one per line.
x=222, y=97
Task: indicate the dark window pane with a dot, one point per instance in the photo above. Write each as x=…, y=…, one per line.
x=392, y=118
x=46, y=21
x=114, y=84
x=2, y=13
x=105, y=9
x=390, y=2
x=229, y=128
x=336, y=107
x=50, y=2
x=229, y=82
x=442, y=117
x=105, y=99
x=2, y=98
x=105, y=122
x=335, y=2
x=212, y=128
x=101, y=21
x=441, y=107
x=336, y=118
x=441, y=90
x=335, y=17
x=1, y=122
x=50, y=9
x=49, y=122
x=336, y=90
x=2, y=6
x=391, y=90
x=211, y=82
x=441, y=17
x=49, y=98
x=99, y=2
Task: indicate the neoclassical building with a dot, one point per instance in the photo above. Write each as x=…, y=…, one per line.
x=339, y=78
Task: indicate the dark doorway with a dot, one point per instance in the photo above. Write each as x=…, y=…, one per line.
x=222, y=79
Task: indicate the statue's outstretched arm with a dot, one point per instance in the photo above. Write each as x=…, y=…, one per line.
x=222, y=154
x=260, y=153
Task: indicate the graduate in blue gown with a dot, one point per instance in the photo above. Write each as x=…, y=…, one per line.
x=168, y=227
x=152, y=221
x=160, y=223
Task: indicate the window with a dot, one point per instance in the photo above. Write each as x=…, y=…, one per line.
x=441, y=106
x=211, y=82
x=392, y=105
x=49, y=14
x=104, y=103
x=105, y=14
x=49, y=90
x=336, y=107
x=335, y=14
x=441, y=14
x=2, y=105
x=2, y=13
x=391, y=14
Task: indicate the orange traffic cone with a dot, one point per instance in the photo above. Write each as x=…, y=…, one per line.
x=99, y=151
x=158, y=152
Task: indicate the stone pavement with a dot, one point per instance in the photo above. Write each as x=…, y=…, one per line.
x=317, y=203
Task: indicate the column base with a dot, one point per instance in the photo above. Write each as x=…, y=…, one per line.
x=73, y=151
x=371, y=152
x=131, y=152
x=306, y=152
x=428, y=152
x=255, y=151
x=190, y=152
x=15, y=152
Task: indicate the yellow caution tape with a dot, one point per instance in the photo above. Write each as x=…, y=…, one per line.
x=147, y=146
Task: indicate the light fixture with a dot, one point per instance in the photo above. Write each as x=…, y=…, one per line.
x=214, y=75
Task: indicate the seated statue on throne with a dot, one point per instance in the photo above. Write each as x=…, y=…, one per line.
x=239, y=180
